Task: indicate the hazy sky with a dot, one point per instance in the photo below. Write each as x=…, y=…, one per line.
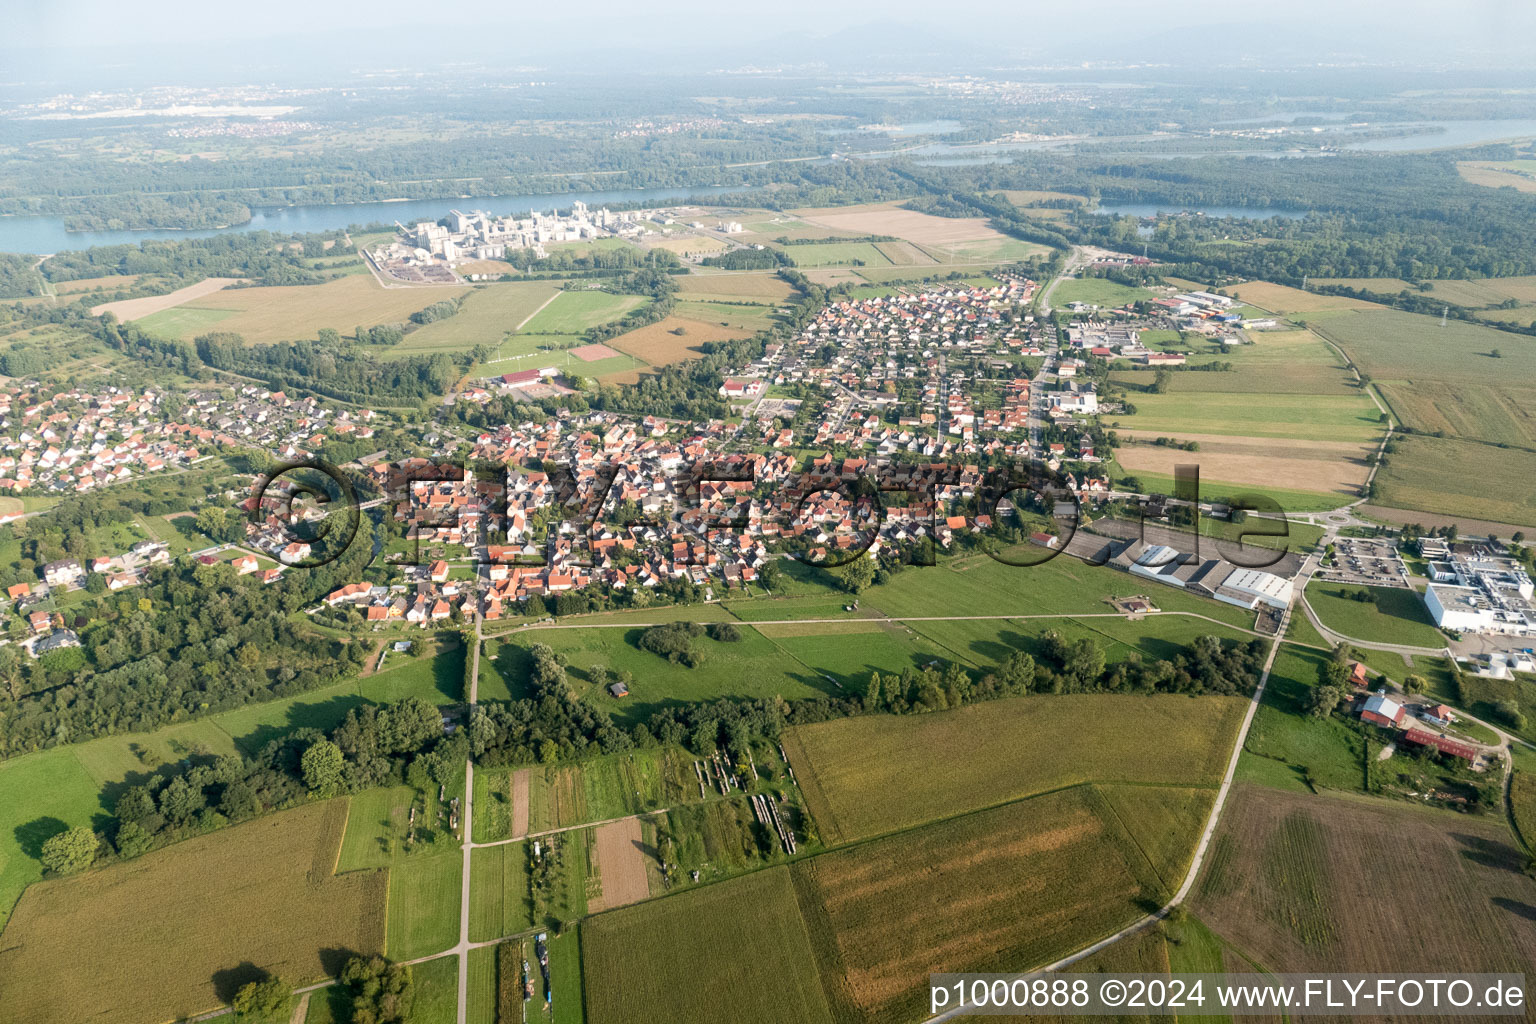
x=141, y=31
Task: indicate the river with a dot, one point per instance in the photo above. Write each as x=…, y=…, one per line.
x=39, y=235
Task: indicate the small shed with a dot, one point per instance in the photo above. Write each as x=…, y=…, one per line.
x=618, y=689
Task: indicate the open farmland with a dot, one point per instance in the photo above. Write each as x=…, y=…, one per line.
x=1337, y=467
x=1460, y=478
x=740, y=944
x=499, y=900
x=137, y=309
x=178, y=930
x=1392, y=346
x=838, y=254
x=572, y=312
x=1303, y=882
x=1522, y=800
x=751, y=286
x=657, y=345
x=937, y=234
x=1279, y=298
x=485, y=317
x=1303, y=417
x=874, y=774
x=295, y=312
x=1500, y=413
x=1005, y=889
x=424, y=904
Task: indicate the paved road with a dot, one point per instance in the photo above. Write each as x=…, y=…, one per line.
x=895, y=618
x=464, y=946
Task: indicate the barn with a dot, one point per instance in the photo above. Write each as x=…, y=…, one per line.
x=1382, y=710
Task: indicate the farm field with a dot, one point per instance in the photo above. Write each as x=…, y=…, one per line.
x=1501, y=413
x=1097, y=291
x=924, y=229
x=1295, y=881
x=424, y=904
x=750, y=286
x=573, y=311
x=1385, y=343
x=1522, y=798
x=608, y=787
x=1305, y=417
x=741, y=943
x=295, y=312
x=499, y=898
x=1004, y=889
x=258, y=894
x=656, y=345
x=875, y=774
x=485, y=317
x=1340, y=467
x=1452, y=477
x=838, y=254
x=137, y=309
x=1278, y=362
x=1279, y=298
x=1391, y=616
x=738, y=316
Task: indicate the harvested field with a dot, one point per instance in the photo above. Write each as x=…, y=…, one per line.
x=891, y=219
x=1334, y=466
x=1005, y=889
x=520, y=780
x=1517, y=174
x=740, y=944
x=754, y=286
x=110, y=282
x=297, y=312
x=1463, y=524
x=178, y=930
x=874, y=774
x=658, y=346
x=135, y=309
x=592, y=353
x=621, y=866
x=485, y=317
x=1278, y=298
x=690, y=245
x=1304, y=882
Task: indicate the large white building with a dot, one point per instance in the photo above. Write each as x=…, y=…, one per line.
x=1481, y=595
x=1259, y=587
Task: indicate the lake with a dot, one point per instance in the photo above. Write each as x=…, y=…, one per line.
x=47, y=235
x=1455, y=133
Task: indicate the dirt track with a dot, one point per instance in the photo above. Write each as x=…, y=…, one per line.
x=134, y=309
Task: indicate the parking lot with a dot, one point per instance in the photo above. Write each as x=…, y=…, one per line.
x=1366, y=562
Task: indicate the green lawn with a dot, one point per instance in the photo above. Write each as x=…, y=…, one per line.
x=424, y=895
x=45, y=794
x=1304, y=417
x=1286, y=746
x=1216, y=490
x=485, y=317
x=1391, y=615
x=1097, y=291
x=499, y=900
x=573, y=312
x=838, y=254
